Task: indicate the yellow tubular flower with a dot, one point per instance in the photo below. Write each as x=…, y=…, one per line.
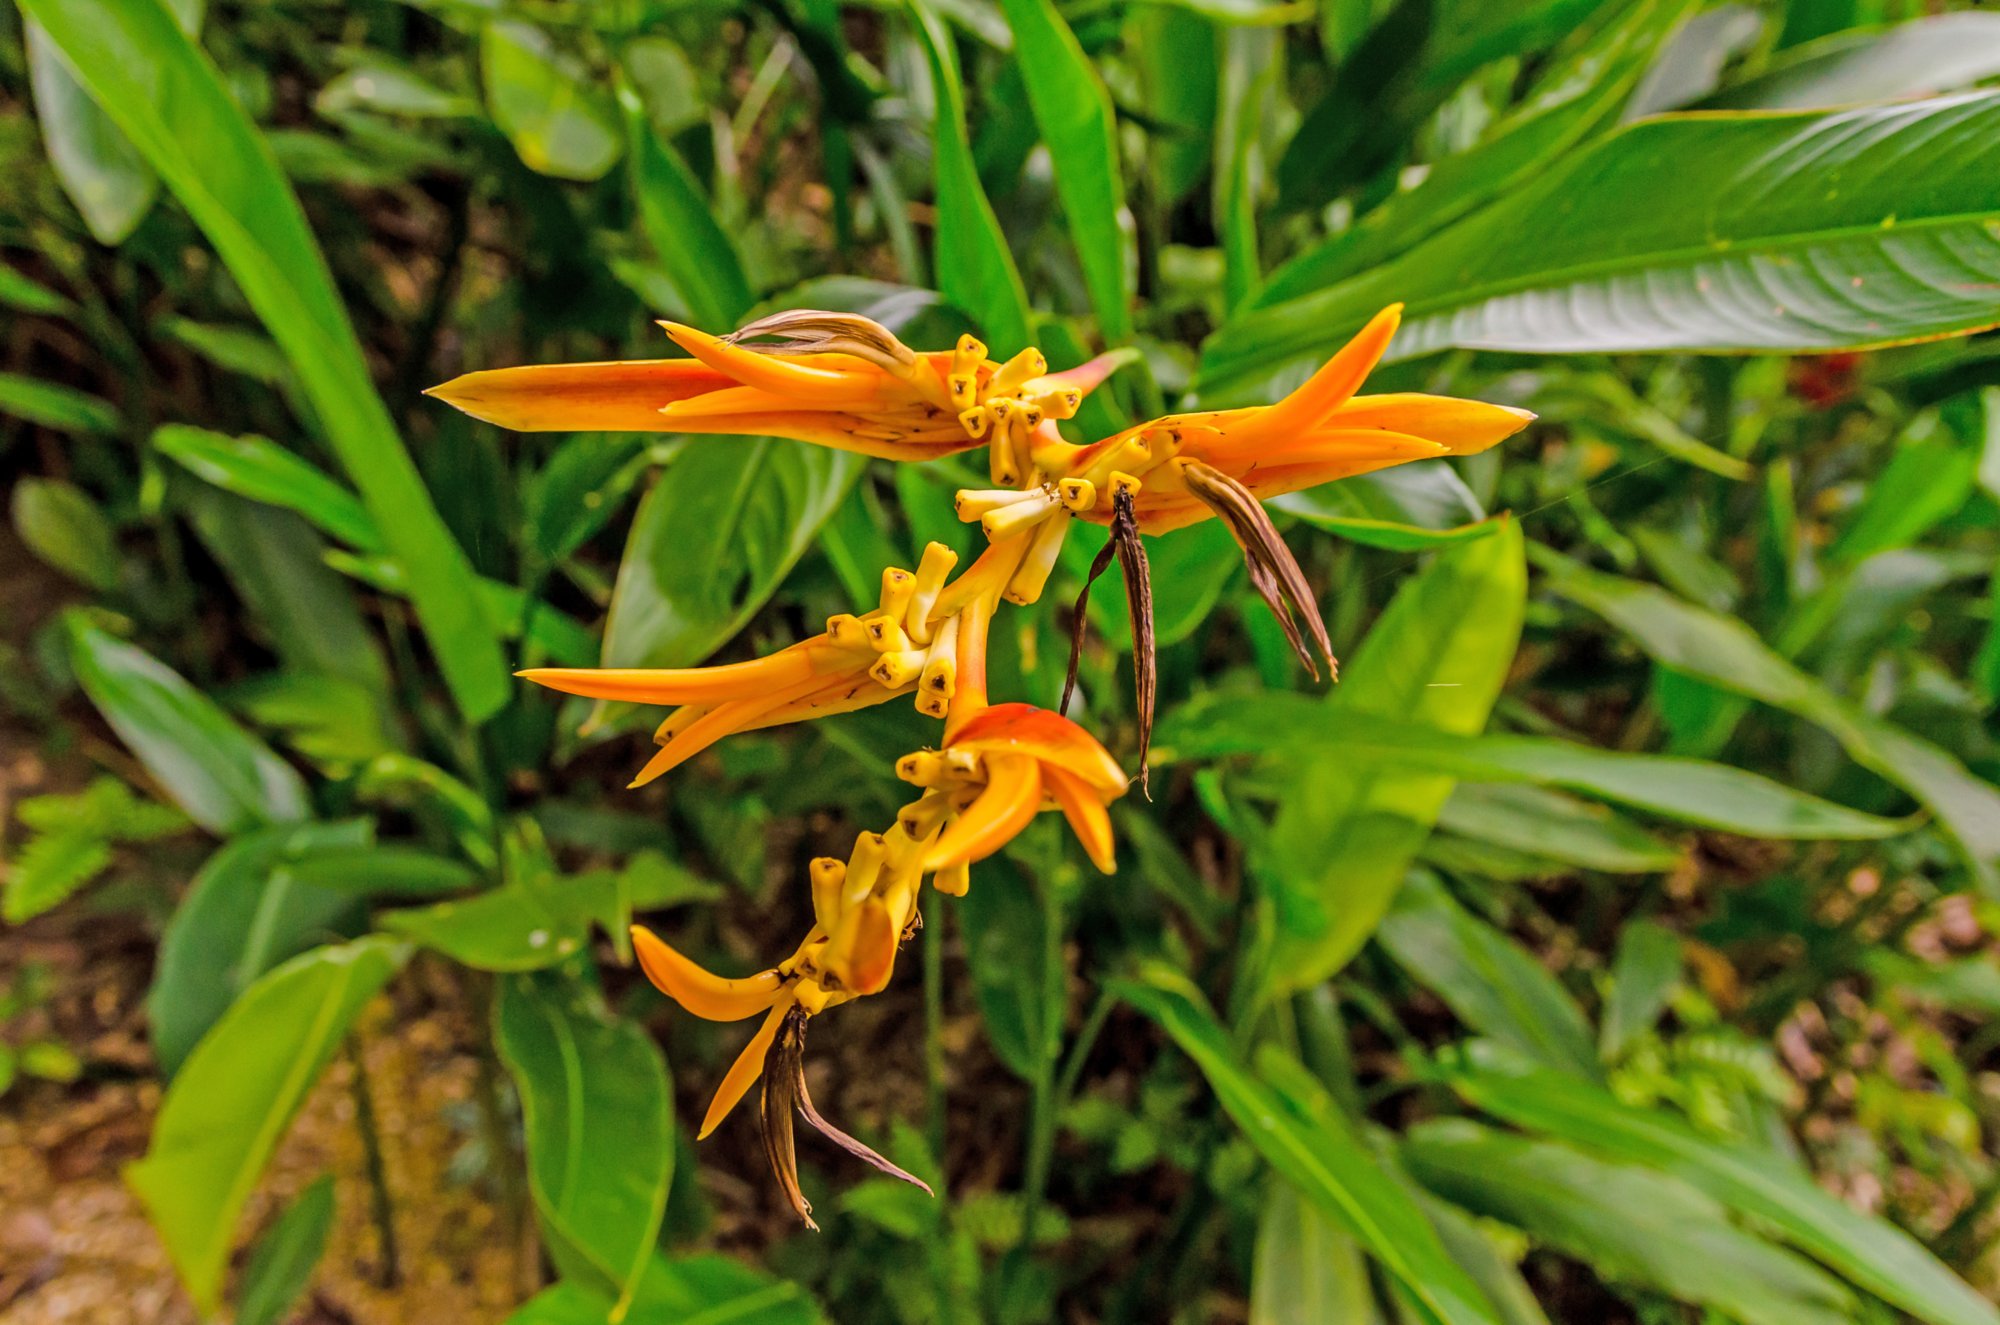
x=839, y=380
x=832, y=379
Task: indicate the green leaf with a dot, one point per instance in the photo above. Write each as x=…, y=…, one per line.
x=236, y=1097
x=1922, y=57
x=1924, y=483
x=690, y=243
x=584, y=1078
x=1554, y=827
x=283, y=1263
x=686, y=1290
x=506, y=929
x=1006, y=938
x=1073, y=113
x=1573, y=101
x=1870, y=1252
x=547, y=104
x=27, y=296
x=1343, y=839
x=1643, y=976
x=1486, y=979
x=260, y=469
x=1307, y=1267
x=53, y=405
x=49, y=871
x=232, y=349
x=277, y=564
x=975, y=268
x=225, y=778
x=712, y=541
x=247, y=911
x=382, y=871
x=103, y=174
x=1690, y=790
x=170, y=100
x=1629, y=1224
x=390, y=90
x=63, y=526
x=1802, y=232
x=1724, y=652
x=1326, y=507
x=1317, y=1152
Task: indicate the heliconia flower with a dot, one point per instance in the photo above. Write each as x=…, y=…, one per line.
x=833, y=379
x=999, y=767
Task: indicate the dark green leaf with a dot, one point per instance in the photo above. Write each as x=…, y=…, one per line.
x=1554, y=827
x=1872, y=1253
x=283, y=1263
x=1317, y=1152
x=1495, y=988
x=53, y=405
x=1629, y=1224
x=584, y=1078
x=225, y=778
x=712, y=540
x=261, y=470
x=1804, y=232
x=691, y=245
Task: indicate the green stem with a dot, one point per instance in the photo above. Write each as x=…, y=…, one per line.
x=935, y=1104
x=381, y=1207
x=1045, y=1105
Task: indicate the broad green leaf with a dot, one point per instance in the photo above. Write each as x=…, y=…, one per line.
x=1690, y=790
x=1869, y=1252
x=975, y=268
x=283, y=1263
x=584, y=1078
x=64, y=527
x=1343, y=839
x=1006, y=943
x=547, y=103
x=685, y=1290
x=171, y=102
x=1724, y=652
x=1569, y=103
x=53, y=405
x=102, y=174
x=1803, y=232
x=1308, y=1268
x=308, y=614
x=690, y=243
x=225, y=778
x=236, y=1096
x=247, y=911
x=261, y=470
x=1629, y=1224
x=1920, y=58
x=1073, y=113
x=517, y=927
x=1317, y=1152
x=1493, y=986
x=1554, y=827
x=720, y=529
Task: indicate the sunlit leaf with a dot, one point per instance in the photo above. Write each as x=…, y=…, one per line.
x=236, y=1096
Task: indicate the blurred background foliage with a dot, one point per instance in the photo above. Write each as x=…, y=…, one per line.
x=1615, y=943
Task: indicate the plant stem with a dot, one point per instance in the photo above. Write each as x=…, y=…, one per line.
x=1042, y=1114
x=935, y=1105
x=381, y=1207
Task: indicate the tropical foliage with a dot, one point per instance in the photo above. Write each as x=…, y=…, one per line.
x=1614, y=941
